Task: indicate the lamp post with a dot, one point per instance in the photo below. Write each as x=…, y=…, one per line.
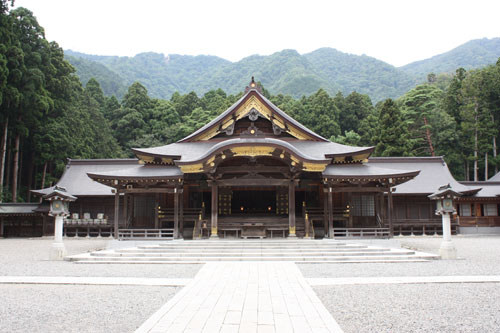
x=59, y=208
x=444, y=206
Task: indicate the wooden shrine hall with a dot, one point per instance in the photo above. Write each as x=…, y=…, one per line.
x=253, y=172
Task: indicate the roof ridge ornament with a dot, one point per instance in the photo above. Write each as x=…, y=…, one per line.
x=253, y=86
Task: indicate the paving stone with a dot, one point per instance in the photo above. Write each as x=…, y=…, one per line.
x=207, y=302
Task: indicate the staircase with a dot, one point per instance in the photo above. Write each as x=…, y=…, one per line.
x=298, y=250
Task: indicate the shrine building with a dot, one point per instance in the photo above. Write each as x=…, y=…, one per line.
x=256, y=172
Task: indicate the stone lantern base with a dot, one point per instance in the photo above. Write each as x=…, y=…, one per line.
x=447, y=250
x=57, y=251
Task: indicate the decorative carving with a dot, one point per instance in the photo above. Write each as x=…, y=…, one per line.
x=253, y=151
x=313, y=167
x=146, y=158
x=252, y=130
x=253, y=115
x=276, y=129
x=253, y=103
x=192, y=168
x=229, y=129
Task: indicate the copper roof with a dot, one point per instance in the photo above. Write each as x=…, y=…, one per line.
x=433, y=174
x=495, y=178
x=488, y=189
x=310, y=150
x=139, y=172
x=366, y=170
x=76, y=181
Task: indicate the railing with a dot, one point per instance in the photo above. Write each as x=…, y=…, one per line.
x=361, y=232
x=411, y=227
x=479, y=221
x=145, y=233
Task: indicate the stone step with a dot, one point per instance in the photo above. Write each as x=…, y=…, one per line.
x=261, y=250
x=256, y=258
x=238, y=248
x=244, y=250
x=350, y=261
x=249, y=254
x=249, y=246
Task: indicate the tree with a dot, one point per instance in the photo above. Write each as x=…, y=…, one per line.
x=355, y=108
x=417, y=106
x=392, y=138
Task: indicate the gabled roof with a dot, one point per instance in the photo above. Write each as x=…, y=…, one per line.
x=218, y=138
x=489, y=189
x=246, y=103
x=77, y=183
x=433, y=174
x=495, y=178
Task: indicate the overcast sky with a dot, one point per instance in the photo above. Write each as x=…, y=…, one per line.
x=397, y=32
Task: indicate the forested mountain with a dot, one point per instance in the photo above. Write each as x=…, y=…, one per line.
x=47, y=116
x=363, y=74
x=473, y=54
x=285, y=72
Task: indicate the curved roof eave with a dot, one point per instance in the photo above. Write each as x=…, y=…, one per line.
x=140, y=172
x=238, y=142
x=362, y=171
x=363, y=150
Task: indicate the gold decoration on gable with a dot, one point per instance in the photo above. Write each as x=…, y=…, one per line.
x=253, y=103
x=227, y=123
x=298, y=134
x=208, y=135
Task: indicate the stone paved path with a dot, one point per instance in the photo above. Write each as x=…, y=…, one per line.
x=244, y=297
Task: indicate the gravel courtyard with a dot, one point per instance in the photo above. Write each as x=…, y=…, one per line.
x=77, y=308
x=433, y=307
x=29, y=257
x=422, y=307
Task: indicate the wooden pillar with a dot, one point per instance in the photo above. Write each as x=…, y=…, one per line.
x=389, y=212
x=176, y=213
x=215, y=207
x=291, y=208
x=125, y=203
x=330, y=212
x=131, y=207
x=350, y=223
x=117, y=211
x=381, y=208
x=157, y=210
x=181, y=214
x=325, y=214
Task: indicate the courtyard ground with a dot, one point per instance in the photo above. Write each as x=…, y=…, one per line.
x=425, y=307
x=370, y=307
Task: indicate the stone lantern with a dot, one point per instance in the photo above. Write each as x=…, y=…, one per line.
x=59, y=208
x=444, y=206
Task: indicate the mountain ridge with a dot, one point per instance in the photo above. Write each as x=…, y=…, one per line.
x=285, y=72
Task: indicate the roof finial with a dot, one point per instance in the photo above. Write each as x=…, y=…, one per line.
x=253, y=85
